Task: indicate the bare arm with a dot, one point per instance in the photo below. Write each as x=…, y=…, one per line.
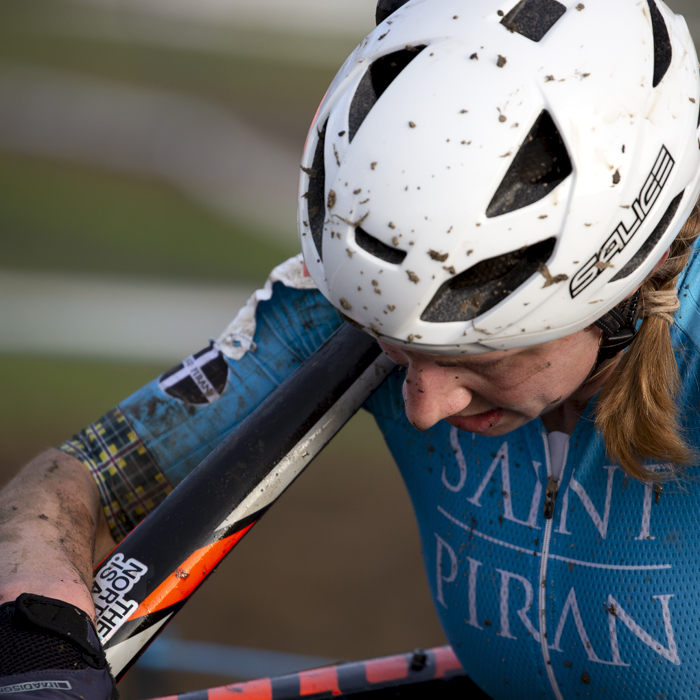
x=51, y=530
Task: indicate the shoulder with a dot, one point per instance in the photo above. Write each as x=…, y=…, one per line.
x=686, y=318
x=289, y=307
x=686, y=328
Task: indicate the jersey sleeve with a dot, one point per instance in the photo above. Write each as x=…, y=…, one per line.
x=386, y=404
x=139, y=451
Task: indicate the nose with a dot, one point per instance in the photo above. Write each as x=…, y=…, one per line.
x=432, y=393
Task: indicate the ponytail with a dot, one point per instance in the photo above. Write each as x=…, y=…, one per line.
x=637, y=413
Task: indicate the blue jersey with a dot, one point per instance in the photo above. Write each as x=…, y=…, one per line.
x=599, y=600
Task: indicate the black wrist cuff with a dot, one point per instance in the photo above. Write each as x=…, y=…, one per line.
x=38, y=633
x=50, y=649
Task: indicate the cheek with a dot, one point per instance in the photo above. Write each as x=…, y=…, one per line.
x=533, y=386
x=563, y=383
x=566, y=373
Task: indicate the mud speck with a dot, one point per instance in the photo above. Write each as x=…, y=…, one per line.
x=332, y=199
x=350, y=253
x=152, y=406
x=412, y=125
x=549, y=79
x=440, y=257
x=450, y=269
x=474, y=302
x=474, y=56
x=580, y=7
x=549, y=278
x=585, y=678
x=392, y=224
x=181, y=573
x=43, y=517
x=502, y=60
x=601, y=265
x=345, y=304
x=616, y=178
x=374, y=165
x=413, y=276
x=335, y=153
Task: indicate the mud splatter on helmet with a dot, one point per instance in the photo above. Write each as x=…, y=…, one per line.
x=494, y=174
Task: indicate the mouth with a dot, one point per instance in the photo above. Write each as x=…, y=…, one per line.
x=478, y=423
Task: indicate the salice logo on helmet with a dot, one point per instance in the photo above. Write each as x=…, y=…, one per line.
x=622, y=235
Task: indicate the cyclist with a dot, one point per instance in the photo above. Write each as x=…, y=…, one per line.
x=504, y=194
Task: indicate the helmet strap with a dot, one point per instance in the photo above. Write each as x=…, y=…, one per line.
x=619, y=329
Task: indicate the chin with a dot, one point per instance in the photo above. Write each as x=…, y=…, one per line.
x=502, y=429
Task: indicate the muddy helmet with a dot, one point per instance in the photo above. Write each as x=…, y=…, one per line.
x=496, y=174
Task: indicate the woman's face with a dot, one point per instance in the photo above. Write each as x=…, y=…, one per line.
x=496, y=392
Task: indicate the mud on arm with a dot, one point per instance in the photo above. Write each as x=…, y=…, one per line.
x=51, y=529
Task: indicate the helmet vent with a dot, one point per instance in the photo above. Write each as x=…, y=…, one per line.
x=539, y=166
x=386, y=8
x=316, y=200
x=643, y=253
x=380, y=250
x=478, y=289
x=663, y=53
x=533, y=18
x=374, y=82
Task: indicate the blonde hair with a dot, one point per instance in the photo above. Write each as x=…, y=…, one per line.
x=637, y=413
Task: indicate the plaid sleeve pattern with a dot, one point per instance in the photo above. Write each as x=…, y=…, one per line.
x=130, y=481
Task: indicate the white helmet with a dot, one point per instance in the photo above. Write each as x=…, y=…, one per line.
x=493, y=174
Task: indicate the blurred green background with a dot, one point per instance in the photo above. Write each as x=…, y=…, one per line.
x=149, y=154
